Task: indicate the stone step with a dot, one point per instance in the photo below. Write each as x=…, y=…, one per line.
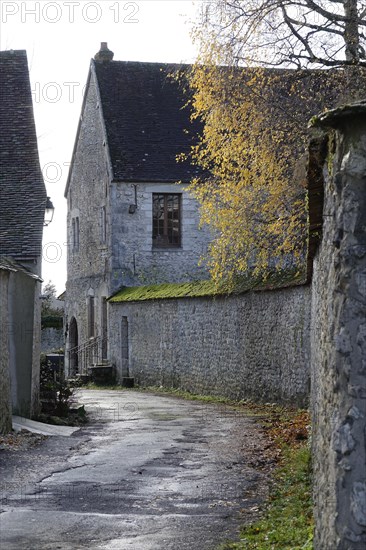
x=102, y=373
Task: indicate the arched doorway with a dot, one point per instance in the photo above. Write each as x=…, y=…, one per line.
x=73, y=345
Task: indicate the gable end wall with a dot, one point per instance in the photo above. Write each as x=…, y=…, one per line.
x=88, y=190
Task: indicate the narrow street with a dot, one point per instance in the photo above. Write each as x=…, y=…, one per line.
x=147, y=473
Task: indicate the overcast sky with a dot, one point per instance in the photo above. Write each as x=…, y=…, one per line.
x=60, y=38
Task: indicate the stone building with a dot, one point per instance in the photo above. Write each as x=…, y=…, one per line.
x=130, y=224
x=129, y=221
x=22, y=206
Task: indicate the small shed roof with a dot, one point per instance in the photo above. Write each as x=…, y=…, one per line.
x=8, y=264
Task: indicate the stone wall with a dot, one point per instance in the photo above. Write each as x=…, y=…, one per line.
x=134, y=259
x=24, y=339
x=255, y=345
x=338, y=358
x=52, y=339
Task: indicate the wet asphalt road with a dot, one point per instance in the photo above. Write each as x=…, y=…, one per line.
x=147, y=473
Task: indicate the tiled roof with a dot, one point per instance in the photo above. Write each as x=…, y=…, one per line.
x=22, y=190
x=145, y=120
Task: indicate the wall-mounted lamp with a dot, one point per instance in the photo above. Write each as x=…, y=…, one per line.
x=49, y=211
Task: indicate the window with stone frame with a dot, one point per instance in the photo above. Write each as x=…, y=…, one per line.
x=91, y=317
x=75, y=234
x=166, y=220
x=103, y=225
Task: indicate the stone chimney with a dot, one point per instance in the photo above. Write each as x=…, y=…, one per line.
x=104, y=54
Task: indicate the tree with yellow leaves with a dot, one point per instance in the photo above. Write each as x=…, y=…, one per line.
x=252, y=192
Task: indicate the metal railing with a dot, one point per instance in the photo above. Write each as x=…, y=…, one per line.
x=87, y=354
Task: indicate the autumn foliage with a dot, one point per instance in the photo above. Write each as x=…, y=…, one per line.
x=249, y=193
x=255, y=107
x=252, y=152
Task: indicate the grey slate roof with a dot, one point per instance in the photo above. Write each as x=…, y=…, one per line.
x=145, y=121
x=22, y=190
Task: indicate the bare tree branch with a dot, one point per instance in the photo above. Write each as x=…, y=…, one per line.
x=292, y=32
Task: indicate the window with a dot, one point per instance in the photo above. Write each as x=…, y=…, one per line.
x=91, y=317
x=166, y=220
x=75, y=234
x=103, y=225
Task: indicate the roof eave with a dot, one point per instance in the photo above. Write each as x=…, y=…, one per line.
x=152, y=181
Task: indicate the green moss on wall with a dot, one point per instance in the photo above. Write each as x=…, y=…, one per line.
x=165, y=290
x=198, y=289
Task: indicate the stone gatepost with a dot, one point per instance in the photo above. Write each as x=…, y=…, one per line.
x=339, y=337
